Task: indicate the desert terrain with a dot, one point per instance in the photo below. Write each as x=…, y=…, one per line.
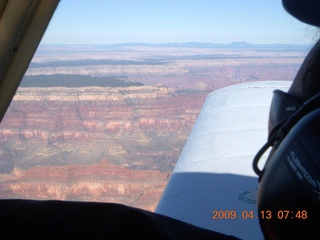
x=107, y=123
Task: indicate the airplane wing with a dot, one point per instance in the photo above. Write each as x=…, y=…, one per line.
x=213, y=185
x=22, y=25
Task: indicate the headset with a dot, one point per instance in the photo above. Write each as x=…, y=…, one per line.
x=288, y=197
x=289, y=190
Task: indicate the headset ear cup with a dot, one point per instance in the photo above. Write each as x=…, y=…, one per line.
x=283, y=105
x=290, y=187
x=281, y=129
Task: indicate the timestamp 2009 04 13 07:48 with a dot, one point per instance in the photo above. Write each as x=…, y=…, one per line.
x=265, y=214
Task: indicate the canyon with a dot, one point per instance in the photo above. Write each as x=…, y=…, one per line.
x=139, y=127
x=107, y=124
x=100, y=182
x=94, y=143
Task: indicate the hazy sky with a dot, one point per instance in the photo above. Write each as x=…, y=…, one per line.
x=163, y=21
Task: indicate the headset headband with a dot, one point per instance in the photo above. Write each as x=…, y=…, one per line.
x=305, y=10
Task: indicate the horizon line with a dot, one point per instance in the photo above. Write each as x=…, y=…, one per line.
x=236, y=44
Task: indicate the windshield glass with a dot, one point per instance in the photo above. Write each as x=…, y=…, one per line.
x=115, y=87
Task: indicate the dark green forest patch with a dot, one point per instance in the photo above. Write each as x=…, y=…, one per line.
x=73, y=80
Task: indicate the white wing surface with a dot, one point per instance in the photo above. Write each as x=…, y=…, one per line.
x=213, y=185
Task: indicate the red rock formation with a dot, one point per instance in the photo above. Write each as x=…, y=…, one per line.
x=102, y=182
x=139, y=127
x=52, y=141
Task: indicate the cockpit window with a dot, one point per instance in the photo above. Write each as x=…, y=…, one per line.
x=115, y=87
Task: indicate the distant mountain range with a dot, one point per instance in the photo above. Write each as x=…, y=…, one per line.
x=237, y=45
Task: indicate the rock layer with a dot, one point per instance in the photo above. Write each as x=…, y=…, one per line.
x=138, y=127
x=53, y=140
x=101, y=182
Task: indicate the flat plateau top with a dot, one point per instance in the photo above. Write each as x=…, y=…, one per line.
x=213, y=185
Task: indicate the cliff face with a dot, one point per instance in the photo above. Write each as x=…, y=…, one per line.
x=101, y=182
x=137, y=127
x=52, y=141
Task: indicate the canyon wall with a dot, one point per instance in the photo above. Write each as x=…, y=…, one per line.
x=94, y=143
x=100, y=182
x=137, y=127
